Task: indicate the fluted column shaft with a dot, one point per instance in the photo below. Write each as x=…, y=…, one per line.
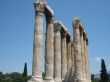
x=88, y=66
x=83, y=56
x=69, y=60
x=63, y=58
x=86, y=61
x=78, y=59
x=72, y=56
x=57, y=53
x=38, y=41
x=49, y=63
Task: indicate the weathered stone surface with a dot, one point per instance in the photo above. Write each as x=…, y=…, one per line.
x=87, y=61
x=72, y=57
x=69, y=66
x=85, y=53
x=49, y=63
x=65, y=60
x=38, y=36
x=83, y=56
x=78, y=58
x=57, y=53
x=64, y=57
x=37, y=46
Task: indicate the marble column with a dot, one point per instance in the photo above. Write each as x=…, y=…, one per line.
x=83, y=56
x=88, y=66
x=63, y=57
x=77, y=44
x=69, y=65
x=72, y=56
x=57, y=53
x=37, y=45
x=85, y=53
x=49, y=63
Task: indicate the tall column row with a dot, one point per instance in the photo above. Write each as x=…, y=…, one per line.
x=65, y=60
x=59, y=54
x=82, y=71
x=58, y=66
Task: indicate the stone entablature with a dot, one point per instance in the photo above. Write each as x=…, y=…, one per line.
x=66, y=60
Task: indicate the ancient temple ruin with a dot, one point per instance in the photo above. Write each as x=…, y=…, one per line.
x=66, y=60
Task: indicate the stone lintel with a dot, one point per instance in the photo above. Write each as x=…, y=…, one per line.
x=63, y=27
x=49, y=9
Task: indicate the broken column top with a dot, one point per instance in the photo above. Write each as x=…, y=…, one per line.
x=46, y=6
x=77, y=23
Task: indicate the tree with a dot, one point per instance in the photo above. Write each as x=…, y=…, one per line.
x=94, y=79
x=103, y=75
x=25, y=70
x=43, y=75
x=13, y=77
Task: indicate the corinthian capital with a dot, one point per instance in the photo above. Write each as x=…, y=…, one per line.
x=57, y=26
x=77, y=23
x=39, y=6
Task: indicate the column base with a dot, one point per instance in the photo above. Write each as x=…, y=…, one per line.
x=36, y=79
x=84, y=80
x=80, y=80
x=63, y=80
x=88, y=80
x=58, y=80
x=49, y=79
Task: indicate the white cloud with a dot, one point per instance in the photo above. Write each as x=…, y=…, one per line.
x=98, y=59
x=108, y=67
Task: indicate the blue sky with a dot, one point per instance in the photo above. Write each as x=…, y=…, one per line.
x=17, y=27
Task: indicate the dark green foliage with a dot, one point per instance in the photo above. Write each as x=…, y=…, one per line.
x=43, y=75
x=103, y=75
x=13, y=77
x=93, y=79
x=109, y=78
x=25, y=70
